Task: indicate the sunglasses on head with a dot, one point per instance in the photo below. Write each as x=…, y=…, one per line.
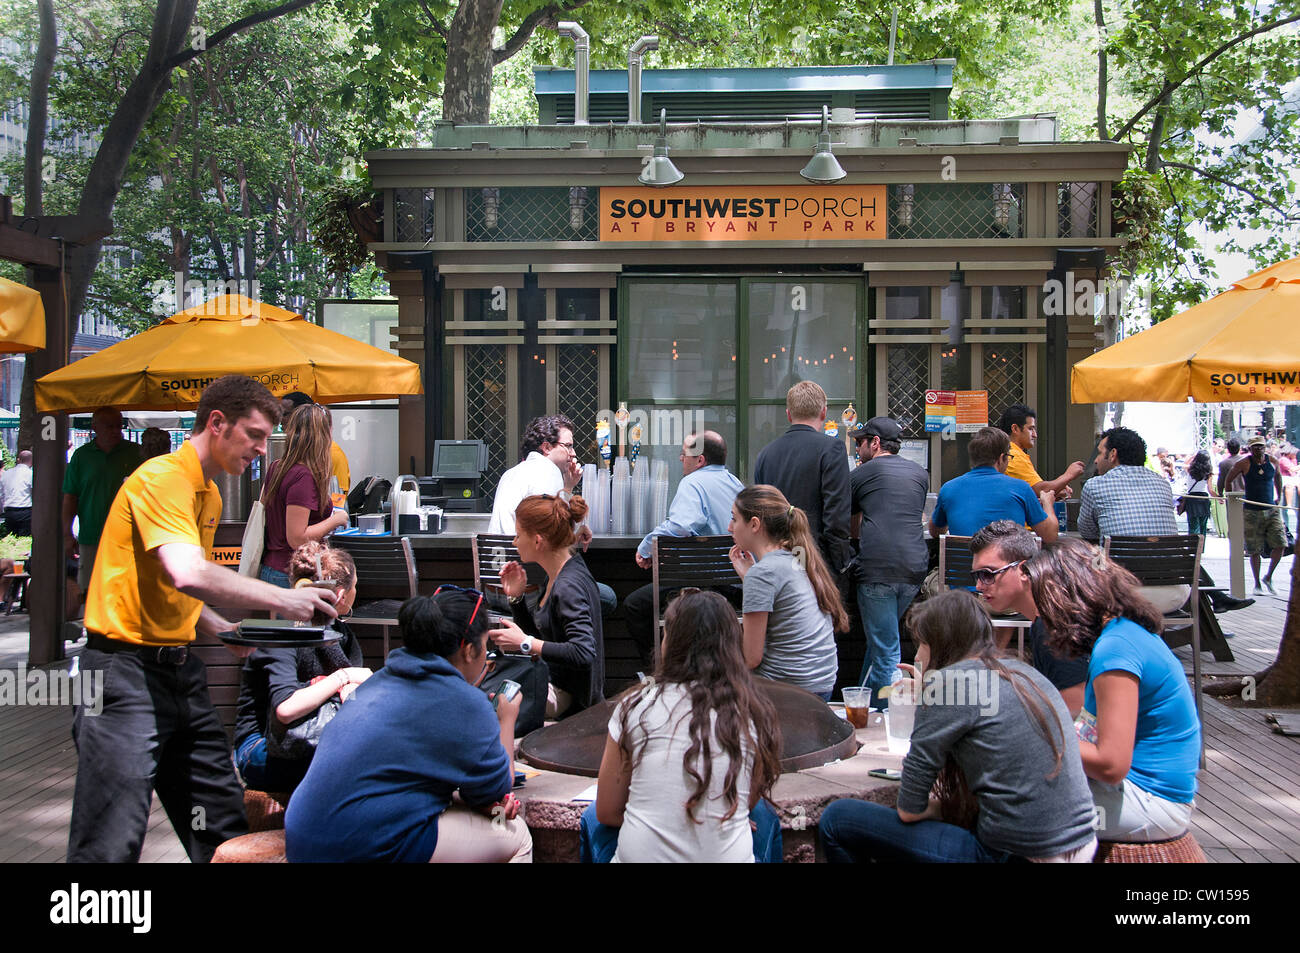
x=474, y=592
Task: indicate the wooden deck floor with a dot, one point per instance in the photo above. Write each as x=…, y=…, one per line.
x=1247, y=808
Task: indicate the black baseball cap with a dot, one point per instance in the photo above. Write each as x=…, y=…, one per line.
x=886, y=428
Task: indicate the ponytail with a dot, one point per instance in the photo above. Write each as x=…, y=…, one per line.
x=788, y=527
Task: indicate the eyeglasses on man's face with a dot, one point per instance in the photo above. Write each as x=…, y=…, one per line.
x=988, y=576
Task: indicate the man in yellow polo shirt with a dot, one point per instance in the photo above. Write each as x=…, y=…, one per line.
x=1020, y=423
x=155, y=727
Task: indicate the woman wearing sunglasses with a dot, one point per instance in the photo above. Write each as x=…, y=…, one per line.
x=565, y=631
x=380, y=787
x=289, y=686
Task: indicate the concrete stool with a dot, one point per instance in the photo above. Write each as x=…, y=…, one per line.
x=265, y=810
x=1180, y=850
x=264, y=847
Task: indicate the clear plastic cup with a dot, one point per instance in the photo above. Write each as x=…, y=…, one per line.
x=857, y=702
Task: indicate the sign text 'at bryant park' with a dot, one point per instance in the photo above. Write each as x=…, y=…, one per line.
x=742, y=213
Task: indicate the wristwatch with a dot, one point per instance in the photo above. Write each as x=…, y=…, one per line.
x=526, y=646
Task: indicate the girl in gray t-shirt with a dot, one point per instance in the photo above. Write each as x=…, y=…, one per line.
x=791, y=606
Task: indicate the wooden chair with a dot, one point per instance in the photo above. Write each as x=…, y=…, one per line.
x=1169, y=561
x=386, y=577
x=955, y=562
x=679, y=561
x=491, y=553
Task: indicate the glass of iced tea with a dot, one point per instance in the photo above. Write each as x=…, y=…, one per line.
x=857, y=702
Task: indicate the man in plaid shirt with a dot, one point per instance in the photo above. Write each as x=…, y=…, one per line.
x=1125, y=498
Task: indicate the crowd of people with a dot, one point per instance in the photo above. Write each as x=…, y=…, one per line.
x=1093, y=735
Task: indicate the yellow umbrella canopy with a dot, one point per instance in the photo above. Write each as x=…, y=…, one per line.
x=22, y=318
x=167, y=367
x=1241, y=345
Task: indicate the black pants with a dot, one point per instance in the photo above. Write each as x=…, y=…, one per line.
x=157, y=730
x=638, y=612
x=18, y=519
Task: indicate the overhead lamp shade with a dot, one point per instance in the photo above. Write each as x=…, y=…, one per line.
x=823, y=168
x=660, y=172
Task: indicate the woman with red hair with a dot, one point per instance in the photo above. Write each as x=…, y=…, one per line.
x=565, y=631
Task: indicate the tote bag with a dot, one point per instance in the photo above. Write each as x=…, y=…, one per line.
x=250, y=556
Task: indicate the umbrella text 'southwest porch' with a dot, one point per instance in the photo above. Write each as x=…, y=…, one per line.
x=167, y=367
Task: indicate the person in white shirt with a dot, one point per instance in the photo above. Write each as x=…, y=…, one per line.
x=16, y=489
x=549, y=466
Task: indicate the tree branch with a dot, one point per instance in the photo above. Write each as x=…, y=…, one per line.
x=544, y=16
x=433, y=21
x=1287, y=214
x=185, y=55
x=38, y=110
x=1169, y=87
x=1099, y=14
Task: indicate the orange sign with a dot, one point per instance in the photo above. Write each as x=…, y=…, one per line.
x=972, y=410
x=743, y=213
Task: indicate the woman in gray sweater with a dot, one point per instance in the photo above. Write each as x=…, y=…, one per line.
x=993, y=772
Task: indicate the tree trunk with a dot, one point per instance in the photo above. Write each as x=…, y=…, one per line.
x=1281, y=684
x=1099, y=15
x=467, y=85
x=38, y=111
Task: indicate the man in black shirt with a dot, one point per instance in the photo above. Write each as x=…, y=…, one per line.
x=888, y=504
x=999, y=552
x=812, y=470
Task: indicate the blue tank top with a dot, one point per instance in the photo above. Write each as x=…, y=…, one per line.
x=1259, y=481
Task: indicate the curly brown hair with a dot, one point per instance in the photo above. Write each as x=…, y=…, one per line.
x=1078, y=590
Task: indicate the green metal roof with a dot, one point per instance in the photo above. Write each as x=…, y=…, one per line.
x=907, y=91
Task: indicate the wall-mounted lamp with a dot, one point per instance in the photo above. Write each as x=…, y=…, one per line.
x=491, y=208
x=906, y=204
x=577, y=206
x=660, y=172
x=1003, y=193
x=823, y=168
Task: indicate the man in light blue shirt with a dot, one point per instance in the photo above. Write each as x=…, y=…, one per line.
x=701, y=507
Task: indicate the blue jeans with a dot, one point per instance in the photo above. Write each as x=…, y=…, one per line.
x=261, y=772
x=598, y=842
x=853, y=832
x=274, y=577
x=882, y=605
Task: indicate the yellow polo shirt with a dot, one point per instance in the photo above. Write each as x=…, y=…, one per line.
x=131, y=598
x=1021, y=467
x=339, y=466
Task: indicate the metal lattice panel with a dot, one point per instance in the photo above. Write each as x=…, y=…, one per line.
x=485, y=406
x=909, y=377
x=532, y=214
x=1004, y=375
x=966, y=210
x=577, y=382
x=1076, y=210
x=414, y=211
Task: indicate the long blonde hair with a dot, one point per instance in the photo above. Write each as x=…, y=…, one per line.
x=787, y=526
x=309, y=438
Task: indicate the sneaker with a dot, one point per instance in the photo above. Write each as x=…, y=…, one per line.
x=1269, y=584
x=1259, y=590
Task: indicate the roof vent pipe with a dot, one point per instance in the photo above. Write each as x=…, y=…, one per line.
x=581, y=66
x=639, y=48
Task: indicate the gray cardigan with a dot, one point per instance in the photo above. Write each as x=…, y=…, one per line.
x=997, y=745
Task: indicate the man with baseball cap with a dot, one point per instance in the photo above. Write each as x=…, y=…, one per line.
x=887, y=494
x=1265, y=531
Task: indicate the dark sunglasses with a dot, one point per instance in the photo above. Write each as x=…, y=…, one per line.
x=990, y=575
x=470, y=624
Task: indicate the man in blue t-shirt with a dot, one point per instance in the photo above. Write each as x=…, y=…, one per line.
x=975, y=499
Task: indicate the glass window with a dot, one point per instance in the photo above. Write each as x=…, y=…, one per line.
x=902, y=304
x=801, y=330
x=1003, y=301
x=681, y=338
x=370, y=322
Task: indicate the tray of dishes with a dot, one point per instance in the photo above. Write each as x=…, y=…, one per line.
x=280, y=633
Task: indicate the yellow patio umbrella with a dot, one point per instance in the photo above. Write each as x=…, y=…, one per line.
x=1241, y=345
x=167, y=367
x=22, y=318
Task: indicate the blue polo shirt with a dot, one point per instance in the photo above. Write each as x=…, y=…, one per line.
x=975, y=499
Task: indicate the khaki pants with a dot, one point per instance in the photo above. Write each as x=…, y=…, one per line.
x=467, y=837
